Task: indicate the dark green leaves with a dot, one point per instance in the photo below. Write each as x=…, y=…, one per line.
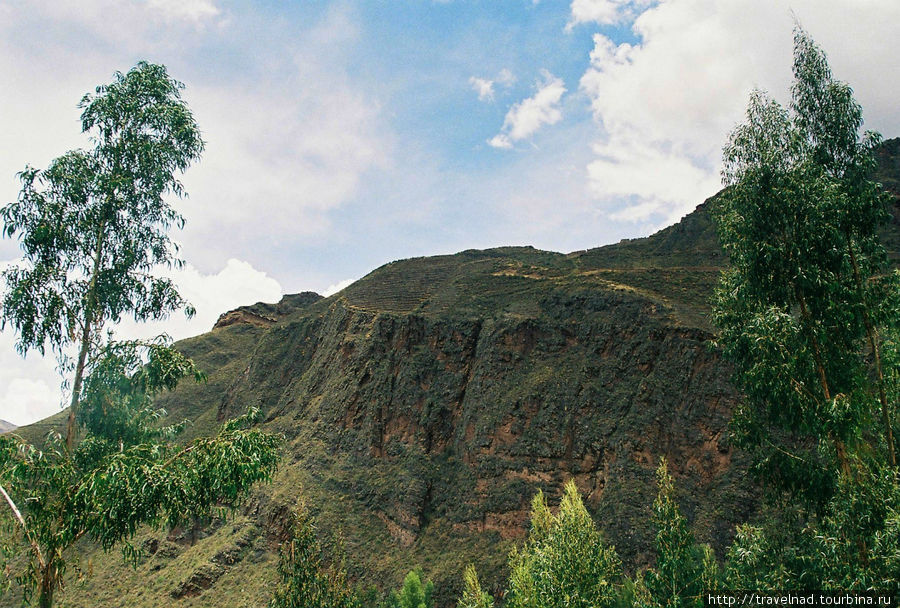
x=799, y=309
x=94, y=224
x=803, y=313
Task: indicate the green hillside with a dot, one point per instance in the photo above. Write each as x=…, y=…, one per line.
x=425, y=404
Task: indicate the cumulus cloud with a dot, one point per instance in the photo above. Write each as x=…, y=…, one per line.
x=526, y=117
x=501, y=141
x=484, y=88
x=604, y=12
x=336, y=287
x=661, y=182
x=30, y=387
x=238, y=283
x=665, y=104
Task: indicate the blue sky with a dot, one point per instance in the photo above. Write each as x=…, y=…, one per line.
x=343, y=135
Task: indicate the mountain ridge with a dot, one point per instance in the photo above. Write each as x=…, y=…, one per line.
x=426, y=403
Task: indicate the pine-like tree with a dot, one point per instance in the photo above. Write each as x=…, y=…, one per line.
x=473, y=596
x=564, y=563
x=683, y=569
x=306, y=581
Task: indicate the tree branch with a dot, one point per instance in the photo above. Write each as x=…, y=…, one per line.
x=34, y=546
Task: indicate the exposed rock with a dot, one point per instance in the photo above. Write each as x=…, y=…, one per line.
x=262, y=314
x=200, y=580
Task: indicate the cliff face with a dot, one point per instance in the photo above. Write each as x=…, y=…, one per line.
x=425, y=405
x=574, y=376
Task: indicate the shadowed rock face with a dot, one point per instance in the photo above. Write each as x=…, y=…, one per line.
x=425, y=404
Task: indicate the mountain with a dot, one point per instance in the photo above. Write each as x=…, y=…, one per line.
x=6, y=427
x=425, y=404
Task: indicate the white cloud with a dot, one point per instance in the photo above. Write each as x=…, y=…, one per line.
x=336, y=287
x=665, y=184
x=279, y=158
x=666, y=104
x=29, y=387
x=237, y=284
x=604, y=12
x=288, y=140
x=506, y=78
x=25, y=400
x=484, y=88
x=192, y=10
x=500, y=141
x=138, y=24
x=526, y=117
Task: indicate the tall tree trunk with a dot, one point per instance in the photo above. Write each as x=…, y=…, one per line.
x=90, y=305
x=48, y=586
x=839, y=446
x=876, y=353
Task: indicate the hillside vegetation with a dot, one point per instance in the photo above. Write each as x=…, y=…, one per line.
x=427, y=403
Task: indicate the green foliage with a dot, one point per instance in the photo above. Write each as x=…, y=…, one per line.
x=120, y=386
x=107, y=488
x=414, y=593
x=564, y=562
x=683, y=570
x=306, y=582
x=853, y=545
x=804, y=312
x=806, y=293
x=94, y=225
x=473, y=596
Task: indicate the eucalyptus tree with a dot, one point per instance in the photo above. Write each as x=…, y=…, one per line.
x=803, y=313
x=93, y=226
x=125, y=472
x=808, y=288
x=306, y=580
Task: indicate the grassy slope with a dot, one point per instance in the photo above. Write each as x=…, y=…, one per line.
x=426, y=403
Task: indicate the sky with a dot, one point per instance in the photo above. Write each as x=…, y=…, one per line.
x=344, y=135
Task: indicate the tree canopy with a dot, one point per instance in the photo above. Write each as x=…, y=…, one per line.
x=93, y=228
x=807, y=298
x=809, y=314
